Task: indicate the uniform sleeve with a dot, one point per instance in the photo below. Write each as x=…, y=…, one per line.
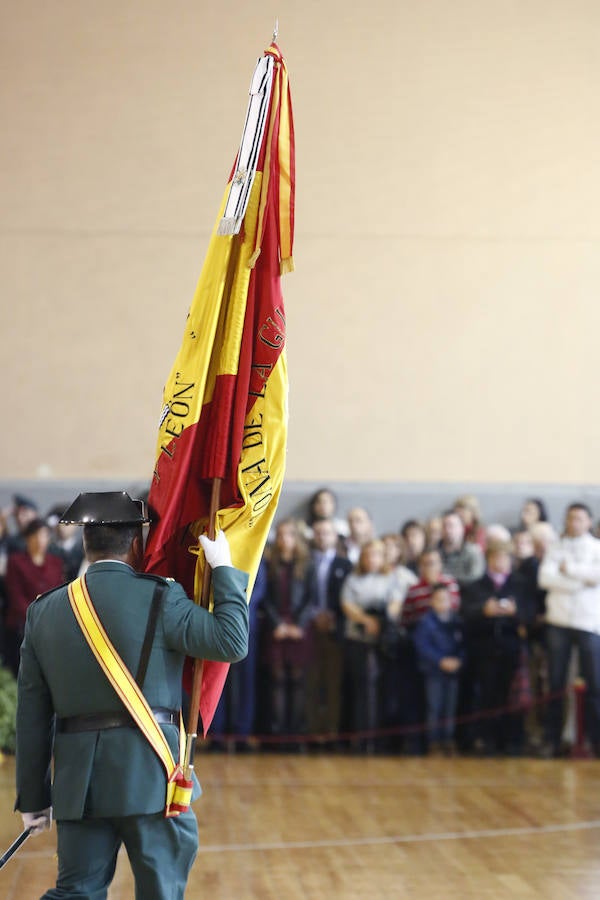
x=221, y=635
x=35, y=723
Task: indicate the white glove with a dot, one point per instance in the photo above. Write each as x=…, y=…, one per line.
x=217, y=552
x=38, y=821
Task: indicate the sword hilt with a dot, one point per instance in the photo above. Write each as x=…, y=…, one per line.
x=188, y=763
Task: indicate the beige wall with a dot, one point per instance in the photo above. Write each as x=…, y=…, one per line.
x=444, y=315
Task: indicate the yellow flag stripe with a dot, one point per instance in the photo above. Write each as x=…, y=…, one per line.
x=117, y=673
x=285, y=178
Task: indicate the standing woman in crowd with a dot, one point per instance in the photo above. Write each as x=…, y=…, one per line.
x=469, y=511
x=365, y=596
x=532, y=512
x=287, y=606
x=391, y=641
x=29, y=573
x=323, y=505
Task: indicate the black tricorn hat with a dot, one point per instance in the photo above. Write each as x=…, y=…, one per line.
x=105, y=508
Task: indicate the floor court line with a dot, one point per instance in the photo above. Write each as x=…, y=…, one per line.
x=426, y=837
x=383, y=783
x=404, y=838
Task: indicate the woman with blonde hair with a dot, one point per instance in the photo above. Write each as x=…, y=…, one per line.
x=468, y=508
x=365, y=596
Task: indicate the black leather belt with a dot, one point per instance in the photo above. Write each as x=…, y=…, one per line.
x=102, y=721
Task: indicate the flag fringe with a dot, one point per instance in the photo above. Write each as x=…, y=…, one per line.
x=253, y=258
x=229, y=225
x=286, y=265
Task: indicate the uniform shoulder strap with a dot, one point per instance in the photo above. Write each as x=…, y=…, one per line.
x=157, y=597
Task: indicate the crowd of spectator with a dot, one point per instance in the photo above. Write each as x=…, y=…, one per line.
x=447, y=636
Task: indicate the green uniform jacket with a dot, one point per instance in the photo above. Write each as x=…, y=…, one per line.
x=113, y=772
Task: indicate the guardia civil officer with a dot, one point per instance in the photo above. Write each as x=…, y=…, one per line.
x=109, y=786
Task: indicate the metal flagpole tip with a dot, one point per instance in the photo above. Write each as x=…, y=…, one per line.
x=276, y=29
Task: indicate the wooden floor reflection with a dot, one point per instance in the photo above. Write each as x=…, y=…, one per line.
x=348, y=827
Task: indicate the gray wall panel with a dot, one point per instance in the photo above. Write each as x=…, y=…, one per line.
x=389, y=503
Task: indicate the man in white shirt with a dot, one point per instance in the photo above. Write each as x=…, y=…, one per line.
x=570, y=573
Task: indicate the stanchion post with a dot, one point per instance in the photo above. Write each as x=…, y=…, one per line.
x=579, y=749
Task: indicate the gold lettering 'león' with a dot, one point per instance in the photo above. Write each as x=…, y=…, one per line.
x=173, y=416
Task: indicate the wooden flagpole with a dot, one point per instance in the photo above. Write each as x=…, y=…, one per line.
x=194, y=710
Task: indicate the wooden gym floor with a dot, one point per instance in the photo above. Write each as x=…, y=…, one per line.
x=350, y=827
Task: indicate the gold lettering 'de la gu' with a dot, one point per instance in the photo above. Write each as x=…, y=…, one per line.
x=254, y=460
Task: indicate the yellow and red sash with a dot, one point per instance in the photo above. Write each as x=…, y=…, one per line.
x=179, y=789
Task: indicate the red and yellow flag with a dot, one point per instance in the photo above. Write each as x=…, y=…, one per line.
x=224, y=409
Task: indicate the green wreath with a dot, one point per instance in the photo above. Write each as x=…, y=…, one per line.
x=8, y=711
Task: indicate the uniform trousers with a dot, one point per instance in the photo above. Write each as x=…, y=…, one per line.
x=161, y=853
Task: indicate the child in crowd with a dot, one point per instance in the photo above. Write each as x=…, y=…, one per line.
x=438, y=640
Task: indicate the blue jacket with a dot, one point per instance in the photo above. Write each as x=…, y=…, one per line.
x=435, y=639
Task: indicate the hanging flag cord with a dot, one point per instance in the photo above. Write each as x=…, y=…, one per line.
x=194, y=713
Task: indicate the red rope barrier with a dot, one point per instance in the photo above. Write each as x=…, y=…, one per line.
x=421, y=727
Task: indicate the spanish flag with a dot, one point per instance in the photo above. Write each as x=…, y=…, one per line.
x=224, y=413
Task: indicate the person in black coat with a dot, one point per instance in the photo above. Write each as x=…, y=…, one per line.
x=492, y=610
x=287, y=609
x=527, y=564
x=325, y=671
